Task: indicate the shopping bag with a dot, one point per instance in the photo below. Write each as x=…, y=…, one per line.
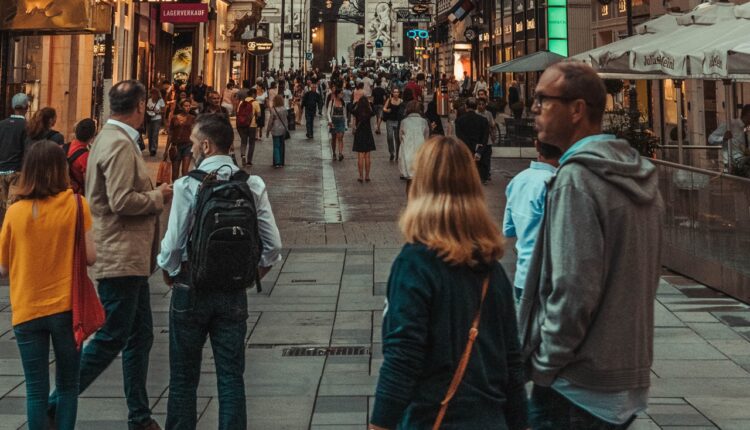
x=88, y=312
x=164, y=174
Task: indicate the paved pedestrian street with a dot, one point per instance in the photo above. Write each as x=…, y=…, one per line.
x=314, y=343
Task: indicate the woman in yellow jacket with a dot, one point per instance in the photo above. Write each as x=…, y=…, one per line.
x=41, y=279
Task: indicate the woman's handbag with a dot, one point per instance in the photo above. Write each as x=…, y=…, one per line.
x=164, y=174
x=88, y=312
x=459, y=375
x=287, y=136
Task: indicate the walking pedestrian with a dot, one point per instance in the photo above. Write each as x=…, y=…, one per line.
x=474, y=131
x=13, y=144
x=286, y=93
x=41, y=126
x=446, y=284
x=154, y=110
x=277, y=127
x=228, y=99
x=379, y=94
x=179, y=145
x=485, y=153
x=364, y=142
x=217, y=310
x=336, y=114
x=480, y=85
x=514, y=100
x=392, y=115
x=310, y=103
x=214, y=104
x=347, y=95
x=261, y=97
x=414, y=131
x=78, y=154
x=125, y=207
x=587, y=313
x=524, y=210
x=431, y=114
x=46, y=213
x=199, y=93
x=248, y=114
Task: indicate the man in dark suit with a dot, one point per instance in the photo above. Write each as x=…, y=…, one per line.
x=474, y=130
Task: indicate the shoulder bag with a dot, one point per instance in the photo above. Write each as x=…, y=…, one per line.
x=287, y=136
x=88, y=312
x=458, y=376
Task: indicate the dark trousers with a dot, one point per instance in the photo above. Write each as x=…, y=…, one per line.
x=550, y=410
x=309, y=121
x=247, y=142
x=483, y=164
x=279, y=148
x=193, y=316
x=153, y=135
x=33, y=338
x=128, y=328
x=392, y=129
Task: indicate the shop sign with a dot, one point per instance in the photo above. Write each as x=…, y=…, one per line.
x=557, y=27
x=56, y=17
x=259, y=46
x=184, y=13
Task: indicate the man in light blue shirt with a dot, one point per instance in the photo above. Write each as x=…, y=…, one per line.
x=524, y=209
x=220, y=313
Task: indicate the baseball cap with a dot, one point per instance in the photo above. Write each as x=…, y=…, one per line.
x=20, y=100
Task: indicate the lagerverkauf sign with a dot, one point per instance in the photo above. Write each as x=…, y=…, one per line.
x=259, y=46
x=184, y=13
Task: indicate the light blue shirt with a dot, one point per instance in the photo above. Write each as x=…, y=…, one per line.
x=583, y=142
x=524, y=212
x=174, y=245
x=615, y=408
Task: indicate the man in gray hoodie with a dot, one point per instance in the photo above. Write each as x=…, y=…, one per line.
x=587, y=314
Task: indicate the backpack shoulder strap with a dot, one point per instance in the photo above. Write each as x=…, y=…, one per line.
x=74, y=156
x=240, y=175
x=198, y=175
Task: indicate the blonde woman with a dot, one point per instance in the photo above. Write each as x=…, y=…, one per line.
x=445, y=282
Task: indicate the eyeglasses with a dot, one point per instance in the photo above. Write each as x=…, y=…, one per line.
x=540, y=98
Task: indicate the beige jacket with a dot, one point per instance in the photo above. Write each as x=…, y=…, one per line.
x=124, y=206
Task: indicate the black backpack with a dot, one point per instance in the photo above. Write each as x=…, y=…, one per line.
x=225, y=246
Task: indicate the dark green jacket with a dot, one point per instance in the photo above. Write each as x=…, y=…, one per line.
x=429, y=310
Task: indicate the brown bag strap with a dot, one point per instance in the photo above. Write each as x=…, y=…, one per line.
x=461, y=369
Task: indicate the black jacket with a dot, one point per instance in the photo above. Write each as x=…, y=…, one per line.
x=311, y=100
x=13, y=141
x=472, y=129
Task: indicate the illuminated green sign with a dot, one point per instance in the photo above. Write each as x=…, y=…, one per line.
x=557, y=27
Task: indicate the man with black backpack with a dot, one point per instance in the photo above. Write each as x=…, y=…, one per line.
x=221, y=238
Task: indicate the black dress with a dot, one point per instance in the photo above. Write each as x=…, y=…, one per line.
x=363, y=139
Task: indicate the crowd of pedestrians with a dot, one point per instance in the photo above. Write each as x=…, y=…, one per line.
x=465, y=371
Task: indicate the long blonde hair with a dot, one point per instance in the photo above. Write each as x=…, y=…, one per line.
x=447, y=210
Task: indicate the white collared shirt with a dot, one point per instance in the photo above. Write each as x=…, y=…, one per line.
x=18, y=116
x=174, y=245
x=132, y=133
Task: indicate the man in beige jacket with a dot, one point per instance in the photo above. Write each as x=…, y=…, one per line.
x=125, y=208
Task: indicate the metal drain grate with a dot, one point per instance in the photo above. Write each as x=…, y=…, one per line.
x=301, y=351
x=304, y=281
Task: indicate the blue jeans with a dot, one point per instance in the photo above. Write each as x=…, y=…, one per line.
x=128, y=328
x=278, y=150
x=550, y=410
x=33, y=342
x=193, y=316
x=153, y=135
x=394, y=138
x=309, y=121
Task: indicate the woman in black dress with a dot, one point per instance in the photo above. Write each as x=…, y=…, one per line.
x=363, y=139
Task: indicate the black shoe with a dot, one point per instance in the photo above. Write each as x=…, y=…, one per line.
x=150, y=425
x=391, y=157
x=341, y=157
x=153, y=153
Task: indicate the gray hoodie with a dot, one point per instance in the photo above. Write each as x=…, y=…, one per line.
x=587, y=313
